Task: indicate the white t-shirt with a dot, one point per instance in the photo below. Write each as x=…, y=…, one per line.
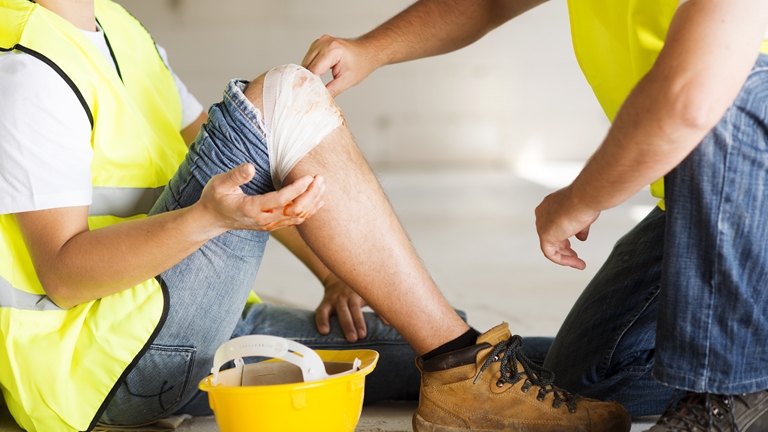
x=45, y=135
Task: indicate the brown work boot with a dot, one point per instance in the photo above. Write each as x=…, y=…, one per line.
x=702, y=412
x=492, y=386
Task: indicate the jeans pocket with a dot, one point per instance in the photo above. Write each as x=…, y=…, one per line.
x=154, y=387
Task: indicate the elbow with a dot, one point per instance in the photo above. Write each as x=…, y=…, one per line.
x=694, y=105
x=698, y=113
x=59, y=293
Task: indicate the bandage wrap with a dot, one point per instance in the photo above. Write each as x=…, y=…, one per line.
x=298, y=112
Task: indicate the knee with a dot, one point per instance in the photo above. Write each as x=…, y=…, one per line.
x=298, y=112
x=254, y=92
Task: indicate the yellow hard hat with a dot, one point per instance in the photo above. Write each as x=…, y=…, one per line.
x=298, y=390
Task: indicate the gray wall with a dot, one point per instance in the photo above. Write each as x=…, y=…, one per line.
x=517, y=96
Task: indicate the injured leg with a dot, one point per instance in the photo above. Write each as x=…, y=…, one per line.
x=356, y=234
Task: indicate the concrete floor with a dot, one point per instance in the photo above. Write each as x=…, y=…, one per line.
x=474, y=231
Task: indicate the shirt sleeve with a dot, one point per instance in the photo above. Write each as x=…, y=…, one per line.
x=190, y=107
x=45, y=146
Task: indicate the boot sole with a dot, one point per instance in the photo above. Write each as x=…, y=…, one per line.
x=421, y=425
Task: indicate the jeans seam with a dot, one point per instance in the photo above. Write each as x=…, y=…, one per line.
x=606, y=362
x=716, y=259
x=246, y=115
x=182, y=188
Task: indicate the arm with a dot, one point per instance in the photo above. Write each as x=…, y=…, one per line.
x=710, y=49
x=426, y=28
x=339, y=298
x=76, y=265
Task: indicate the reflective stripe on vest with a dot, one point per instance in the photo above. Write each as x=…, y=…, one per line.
x=11, y=297
x=123, y=202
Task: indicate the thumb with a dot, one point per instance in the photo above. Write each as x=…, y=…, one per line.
x=239, y=175
x=583, y=234
x=335, y=87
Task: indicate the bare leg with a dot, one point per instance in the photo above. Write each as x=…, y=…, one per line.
x=358, y=237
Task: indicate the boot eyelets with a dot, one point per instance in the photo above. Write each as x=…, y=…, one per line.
x=526, y=386
x=542, y=394
x=571, y=409
x=717, y=413
x=500, y=383
x=496, y=358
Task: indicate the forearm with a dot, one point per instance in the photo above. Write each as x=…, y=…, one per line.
x=75, y=264
x=96, y=263
x=646, y=141
x=433, y=27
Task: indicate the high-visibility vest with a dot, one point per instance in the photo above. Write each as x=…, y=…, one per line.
x=616, y=44
x=58, y=367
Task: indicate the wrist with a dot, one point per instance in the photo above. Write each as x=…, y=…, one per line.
x=578, y=200
x=205, y=220
x=376, y=50
x=329, y=280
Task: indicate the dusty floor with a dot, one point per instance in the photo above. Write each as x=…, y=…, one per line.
x=475, y=234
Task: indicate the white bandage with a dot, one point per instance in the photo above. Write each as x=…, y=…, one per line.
x=299, y=112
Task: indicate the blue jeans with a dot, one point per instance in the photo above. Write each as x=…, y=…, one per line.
x=208, y=290
x=682, y=301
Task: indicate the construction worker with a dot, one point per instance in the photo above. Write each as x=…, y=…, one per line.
x=126, y=258
x=677, y=312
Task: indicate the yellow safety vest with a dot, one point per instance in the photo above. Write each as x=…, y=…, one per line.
x=616, y=44
x=59, y=367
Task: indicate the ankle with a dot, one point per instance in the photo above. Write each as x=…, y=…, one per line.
x=464, y=340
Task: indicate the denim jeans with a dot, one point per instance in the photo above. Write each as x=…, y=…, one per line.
x=208, y=289
x=682, y=301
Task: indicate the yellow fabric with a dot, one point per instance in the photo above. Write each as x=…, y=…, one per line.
x=616, y=44
x=253, y=298
x=57, y=367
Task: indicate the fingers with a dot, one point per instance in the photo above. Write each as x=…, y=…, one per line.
x=322, y=317
x=323, y=54
x=344, y=57
x=339, y=83
x=297, y=199
x=346, y=304
x=347, y=322
x=290, y=206
x=562, y=253
x=349, y=314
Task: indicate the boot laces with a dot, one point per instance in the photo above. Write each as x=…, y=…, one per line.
x=702, y=412
x=510, y=354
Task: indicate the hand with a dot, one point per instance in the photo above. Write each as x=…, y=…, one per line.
x=558, y=218
x=234, y=210
x=348, y=60
x=347, y=305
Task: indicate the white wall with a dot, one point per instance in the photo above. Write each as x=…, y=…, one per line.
x=516, y=96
